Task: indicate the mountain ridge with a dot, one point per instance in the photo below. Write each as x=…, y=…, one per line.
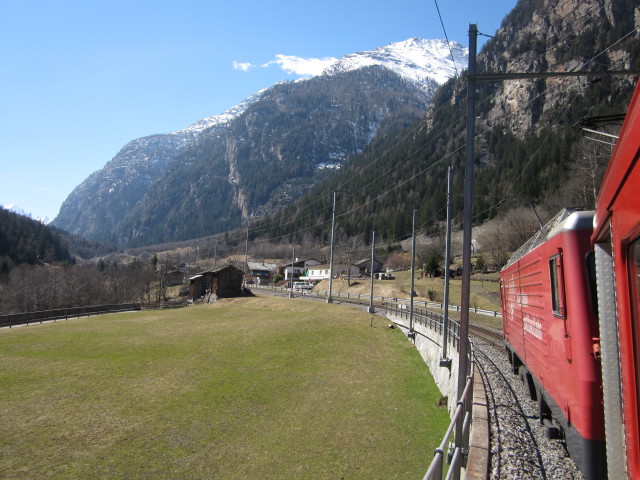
x=105, y=205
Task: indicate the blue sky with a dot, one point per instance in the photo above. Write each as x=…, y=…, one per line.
x=78, y=80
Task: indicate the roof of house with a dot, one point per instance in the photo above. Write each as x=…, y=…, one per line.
x=326, y=266
x=219, y=269
x=368, y=259
x=300, y=261
x=261, y=266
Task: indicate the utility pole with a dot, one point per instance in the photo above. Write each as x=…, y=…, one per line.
x=373, y=249
x=246, y=256
x=215, y=254
x=445, y=361
x=413, y=269
x=463, y=363
x=293, y=259
x=333, y=230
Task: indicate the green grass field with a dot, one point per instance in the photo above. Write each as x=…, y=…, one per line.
x=247, y=388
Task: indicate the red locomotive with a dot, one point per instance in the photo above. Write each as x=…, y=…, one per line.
x=551, y=333
x=571, y=318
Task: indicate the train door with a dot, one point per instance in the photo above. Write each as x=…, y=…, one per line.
x=610, y=355
x=558, y=300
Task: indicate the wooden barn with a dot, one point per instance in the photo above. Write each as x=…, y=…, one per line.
x=222, y=282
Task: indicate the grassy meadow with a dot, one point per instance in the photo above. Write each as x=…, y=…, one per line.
x=246, y=388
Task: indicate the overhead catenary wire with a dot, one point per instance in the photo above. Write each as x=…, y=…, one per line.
x=420, y=125
x=446, y=37
x=361, y=170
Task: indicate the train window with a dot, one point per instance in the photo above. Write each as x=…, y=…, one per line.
x=555, y=274
x=591, y=278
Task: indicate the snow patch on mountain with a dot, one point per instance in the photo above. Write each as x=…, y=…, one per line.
x=16, y=209
x=223, y=118
x=416, y=59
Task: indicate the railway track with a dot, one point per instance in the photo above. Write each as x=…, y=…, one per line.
x=519, y=446
x=489, y=335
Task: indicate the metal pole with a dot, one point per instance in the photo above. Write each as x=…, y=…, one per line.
x=333, y=229
x=413, y=268
x=293, y=260
x=215, y=254
x=246, y=250
x=373, y=248
x=246, y=258
x=445, y=361
x=468, y=224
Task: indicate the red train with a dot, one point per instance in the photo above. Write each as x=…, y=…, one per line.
x=551, y=333
x=571, y=318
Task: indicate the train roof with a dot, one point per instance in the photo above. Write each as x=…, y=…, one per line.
x=567, y=219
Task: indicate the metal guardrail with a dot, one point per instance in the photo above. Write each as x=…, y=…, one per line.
x=462, y=413
x=63, y=313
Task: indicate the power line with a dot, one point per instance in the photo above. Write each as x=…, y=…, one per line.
x=397, y=165
x=446, y=37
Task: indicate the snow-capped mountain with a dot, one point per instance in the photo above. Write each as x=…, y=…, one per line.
x=16, y=209
x=260, y=154
x=416, y=59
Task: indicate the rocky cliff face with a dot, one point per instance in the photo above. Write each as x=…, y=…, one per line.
x=558, y=36
x=271, y=154
x=97, y=204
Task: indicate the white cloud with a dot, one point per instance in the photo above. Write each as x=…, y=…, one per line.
x=292, y=64
x=244, y=66
x=301, y=66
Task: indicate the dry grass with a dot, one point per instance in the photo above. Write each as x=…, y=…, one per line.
x=245, y=388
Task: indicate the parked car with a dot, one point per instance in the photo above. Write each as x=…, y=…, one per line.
x=302, y=285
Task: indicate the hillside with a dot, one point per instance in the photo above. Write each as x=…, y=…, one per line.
x=24, y=240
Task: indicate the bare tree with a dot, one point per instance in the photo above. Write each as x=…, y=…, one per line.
x=349, y=253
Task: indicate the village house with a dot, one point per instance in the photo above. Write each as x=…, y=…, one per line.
x=222, y=282
x=261, y=272
x=300, y=266
x=365, y=266
x=175, y=277
x=316, y=273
